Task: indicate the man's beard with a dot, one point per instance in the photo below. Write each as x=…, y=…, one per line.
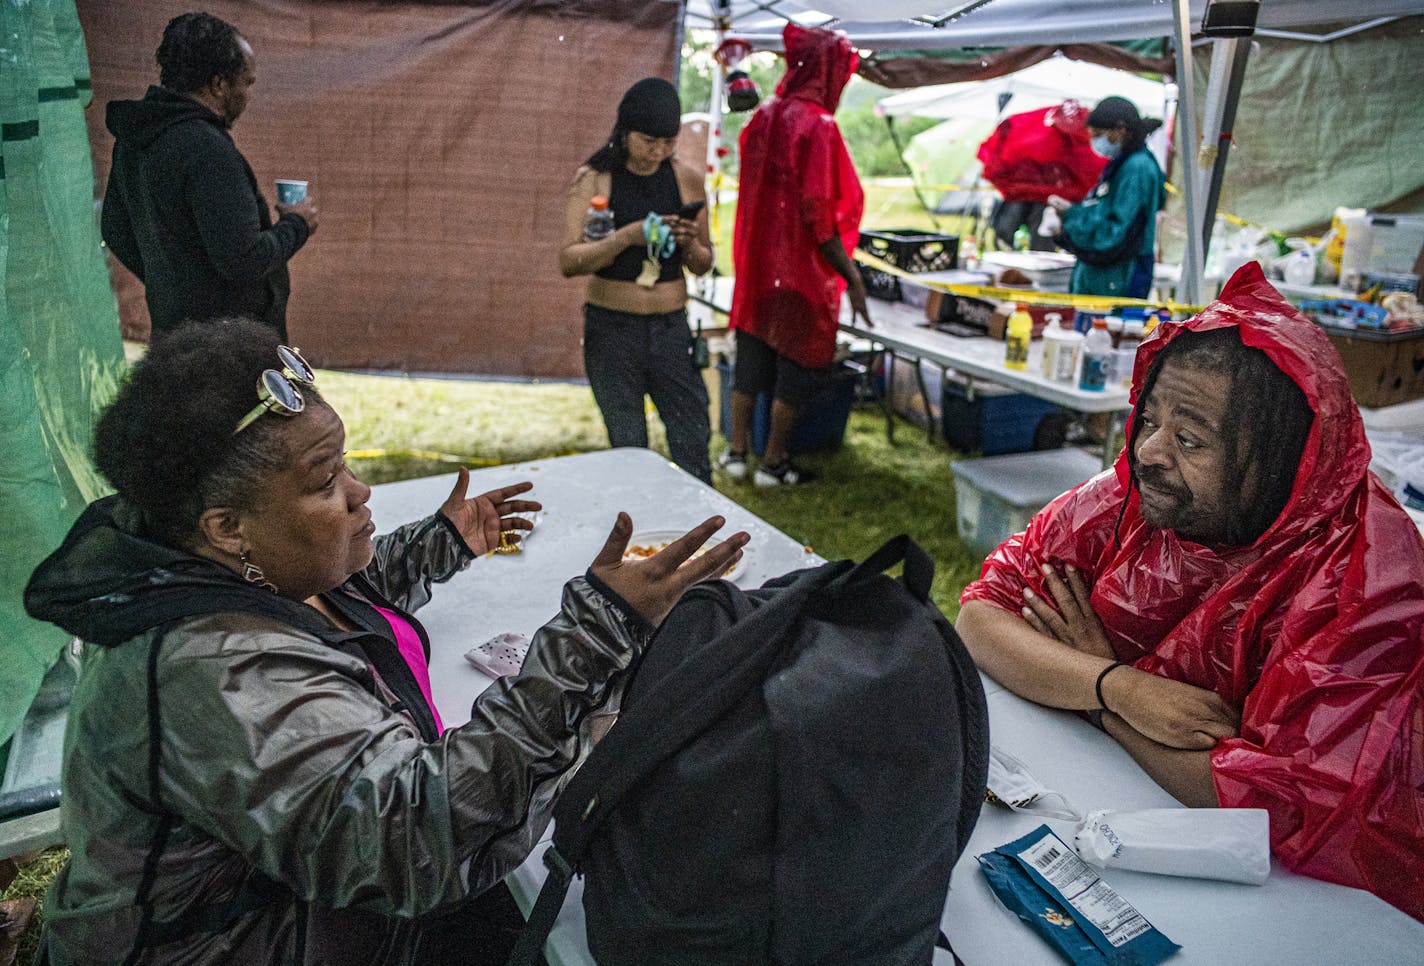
x=1176, y=512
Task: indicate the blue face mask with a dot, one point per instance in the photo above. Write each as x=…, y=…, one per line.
x=1102, y=146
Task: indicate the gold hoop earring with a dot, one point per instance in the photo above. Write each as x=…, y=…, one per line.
x=253, y=574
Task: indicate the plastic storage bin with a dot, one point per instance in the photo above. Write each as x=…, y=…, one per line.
x=996, y=497
x=997, y=420
x=906, y=248
x=823, y=421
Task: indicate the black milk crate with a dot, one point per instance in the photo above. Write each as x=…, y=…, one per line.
x=908, y=249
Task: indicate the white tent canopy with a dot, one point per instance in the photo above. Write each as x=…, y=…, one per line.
x=887, y=24
x=1041, y=85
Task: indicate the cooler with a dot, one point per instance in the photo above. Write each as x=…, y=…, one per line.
x=822, y=424
x=997, y=420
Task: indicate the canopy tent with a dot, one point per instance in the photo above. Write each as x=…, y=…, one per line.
x=1041, y=85
x=910, y=24
x=943, y=164
x=937, y=25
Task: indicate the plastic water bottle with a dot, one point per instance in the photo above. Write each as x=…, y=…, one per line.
x=1060, y=350
x=598, y=222
x=1097, y=358
x=1018, y=334
x=969, y=252
x=1125, y=355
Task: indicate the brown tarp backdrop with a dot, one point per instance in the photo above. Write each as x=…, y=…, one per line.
x=439, y=140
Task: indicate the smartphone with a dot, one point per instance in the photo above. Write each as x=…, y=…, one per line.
x=689, y=212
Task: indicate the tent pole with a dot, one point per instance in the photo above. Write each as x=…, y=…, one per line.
x=914, y=182
x=1187, y=141
x=1239, y=50
x=712, y=175
x=1223, y=49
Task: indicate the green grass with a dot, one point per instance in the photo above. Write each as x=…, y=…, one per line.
x=34, y=877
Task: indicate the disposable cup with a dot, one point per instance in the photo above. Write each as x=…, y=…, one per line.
x=290, y=192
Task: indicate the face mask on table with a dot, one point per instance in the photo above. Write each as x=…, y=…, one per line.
x=1102, y=146
x=1012, y=784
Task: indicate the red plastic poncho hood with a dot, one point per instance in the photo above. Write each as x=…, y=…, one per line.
x=798, y=189
x=819, y=64
x=1313, y=632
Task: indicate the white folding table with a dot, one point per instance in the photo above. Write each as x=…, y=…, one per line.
x=1289, y=920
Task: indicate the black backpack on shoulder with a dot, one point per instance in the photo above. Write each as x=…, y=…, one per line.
x=794, y=772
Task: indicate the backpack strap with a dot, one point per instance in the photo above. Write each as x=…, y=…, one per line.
x=666, y=719
x=545, y=912
x=943, y=943
x=918, y=572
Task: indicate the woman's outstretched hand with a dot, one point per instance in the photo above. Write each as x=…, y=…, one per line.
x=481, y=518
x=651, y=585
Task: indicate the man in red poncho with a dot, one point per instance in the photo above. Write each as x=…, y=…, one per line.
x=798, y=219
x=1240, y=602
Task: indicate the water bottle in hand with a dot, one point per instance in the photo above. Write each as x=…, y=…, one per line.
x=598, y=222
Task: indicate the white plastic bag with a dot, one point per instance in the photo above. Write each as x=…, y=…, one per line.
x=1231, y=844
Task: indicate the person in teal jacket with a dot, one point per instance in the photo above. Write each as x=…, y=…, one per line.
x=1113, y=230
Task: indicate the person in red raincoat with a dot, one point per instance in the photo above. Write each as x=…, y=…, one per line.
x=798, y=218
x=1240, y=601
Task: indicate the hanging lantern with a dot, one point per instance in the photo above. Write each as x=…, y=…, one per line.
x=742, y=93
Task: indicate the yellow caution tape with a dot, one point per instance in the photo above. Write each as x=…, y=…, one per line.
x=1240, y=222
x=1027, y=296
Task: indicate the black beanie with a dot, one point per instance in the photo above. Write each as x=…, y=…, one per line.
x=1112, y=111
x=651, y=107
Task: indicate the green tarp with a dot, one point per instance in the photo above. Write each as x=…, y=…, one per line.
x=1324, y=125
x=60, y=353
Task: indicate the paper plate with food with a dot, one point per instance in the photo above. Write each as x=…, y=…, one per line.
x=645, y=543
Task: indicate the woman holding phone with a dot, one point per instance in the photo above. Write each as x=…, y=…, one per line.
x=636, y=342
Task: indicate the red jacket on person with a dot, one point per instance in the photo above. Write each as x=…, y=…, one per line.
x=1315, y=632
x=798, y=189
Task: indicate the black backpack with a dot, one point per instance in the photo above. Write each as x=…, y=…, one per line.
x=794, y=772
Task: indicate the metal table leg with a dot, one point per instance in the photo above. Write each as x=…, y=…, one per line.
x=886, y=402
x=925, y=398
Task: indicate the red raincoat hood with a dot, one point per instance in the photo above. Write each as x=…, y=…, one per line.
x=819, y=64
x=1315, y=632
x=1336, y=455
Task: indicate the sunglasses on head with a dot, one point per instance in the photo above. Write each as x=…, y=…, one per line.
x=277, y=390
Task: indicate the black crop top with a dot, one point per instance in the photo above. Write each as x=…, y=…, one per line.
x=631, y=197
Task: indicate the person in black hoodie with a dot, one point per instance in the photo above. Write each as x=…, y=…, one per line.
x=182, y=210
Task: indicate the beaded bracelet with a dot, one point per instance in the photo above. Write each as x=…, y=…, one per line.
x=1098, y=685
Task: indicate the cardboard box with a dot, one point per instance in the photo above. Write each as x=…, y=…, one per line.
x=1383, y=368
x=961, y=309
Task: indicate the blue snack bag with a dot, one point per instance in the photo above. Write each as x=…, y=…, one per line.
x=1043, y=882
